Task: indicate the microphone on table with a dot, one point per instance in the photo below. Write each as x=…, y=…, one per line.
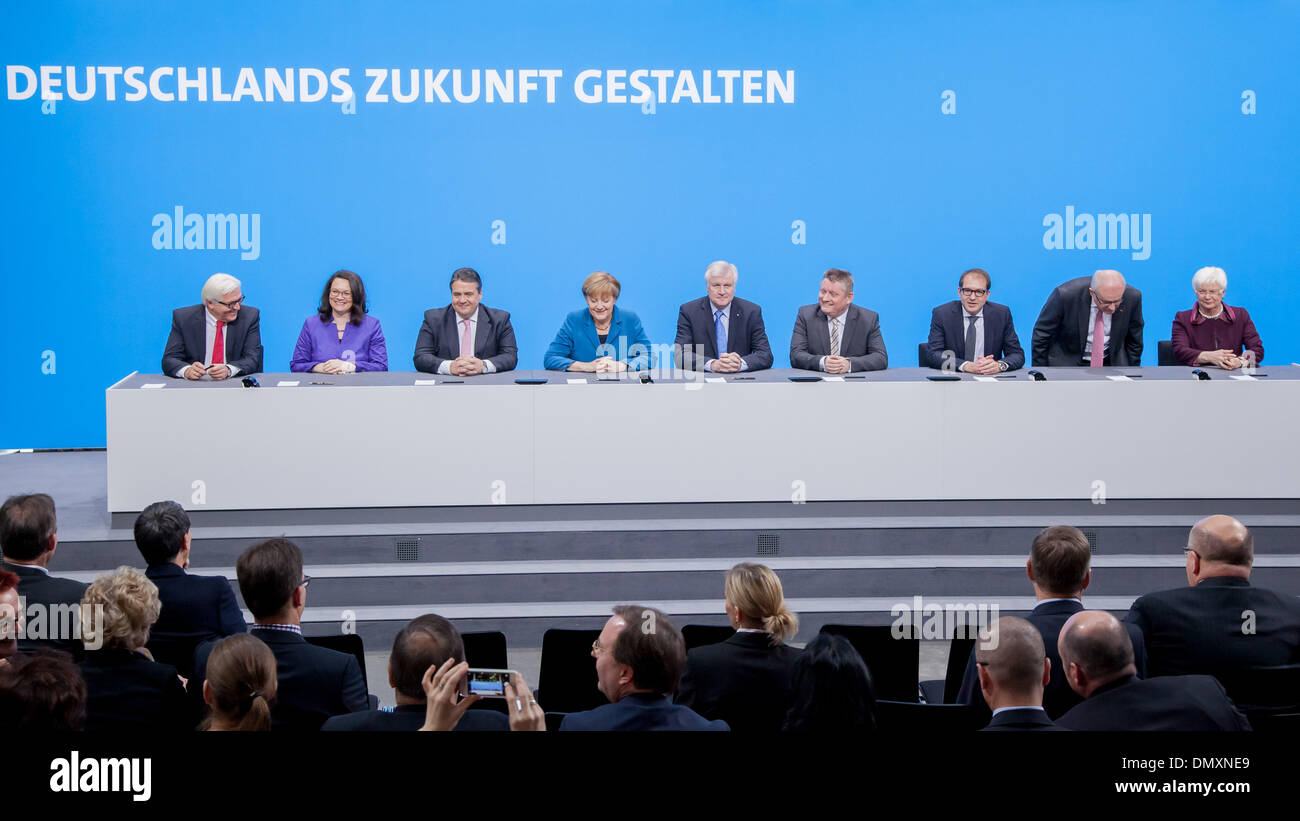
x=1201, y=375
x=1038, y=376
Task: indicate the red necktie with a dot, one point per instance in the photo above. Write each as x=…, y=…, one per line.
x=219, y=346
x=1098, y=341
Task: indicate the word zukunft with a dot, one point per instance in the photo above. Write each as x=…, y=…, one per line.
x=382, y=85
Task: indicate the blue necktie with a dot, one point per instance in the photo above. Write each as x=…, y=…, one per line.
x=720, y=331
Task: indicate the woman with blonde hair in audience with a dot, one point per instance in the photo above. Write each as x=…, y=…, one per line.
x=125, y=688
x=745, y=680
x=240, y=684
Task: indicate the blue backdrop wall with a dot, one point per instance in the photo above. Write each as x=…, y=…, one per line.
x=916, y=140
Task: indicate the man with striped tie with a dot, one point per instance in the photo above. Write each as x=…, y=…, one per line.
x=834, y=335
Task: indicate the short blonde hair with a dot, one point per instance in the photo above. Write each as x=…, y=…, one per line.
x=601, y=283
x=756, y=591
x=130, y=606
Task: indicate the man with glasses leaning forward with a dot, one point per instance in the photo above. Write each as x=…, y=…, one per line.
x=971, y=334
x=217, y=339
x=1084, y=310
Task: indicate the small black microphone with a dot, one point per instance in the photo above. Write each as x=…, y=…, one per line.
x=1200, y=374
x=1038, y=376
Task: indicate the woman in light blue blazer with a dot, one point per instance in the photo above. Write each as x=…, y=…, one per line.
x=601, y=338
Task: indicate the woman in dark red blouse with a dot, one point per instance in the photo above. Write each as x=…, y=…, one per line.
x=1213, y=333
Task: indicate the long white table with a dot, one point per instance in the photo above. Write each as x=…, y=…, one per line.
x=381, y=440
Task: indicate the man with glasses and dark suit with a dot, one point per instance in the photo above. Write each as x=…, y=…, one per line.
x=972, y=334
x=216, y=339
x=315, y=683
x=1090, y=322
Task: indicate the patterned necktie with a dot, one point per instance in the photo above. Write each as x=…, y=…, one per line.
x=720, y=331
x=835, y=337
x=466, y=340
x=219, y=346
x=970, y=338
x=1098, y=341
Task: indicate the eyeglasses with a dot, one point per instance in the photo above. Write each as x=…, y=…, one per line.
x=235, y=304
x=1209, y=292
x=341, y=294
x=306, y=580
x=972, y=291
x=1190, y=550
x=595, y=647
x=1104, y=302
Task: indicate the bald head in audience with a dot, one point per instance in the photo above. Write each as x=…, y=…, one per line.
x=1219, y=546
x=1095, y=650
x=1014, y=672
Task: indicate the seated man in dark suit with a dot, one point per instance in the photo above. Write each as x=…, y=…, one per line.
x=314, y=683
x=426, y=642
x=1102, y=307
x=1013, y=672
x=721, y=333
x=466, y=338
x=835, y=335
x=972, y=334
x=194, y=608
x=1219, y=623
x=1098, y=660
x=639, y=660
x=217, y=339
x=1059, y=568
x=28, y=538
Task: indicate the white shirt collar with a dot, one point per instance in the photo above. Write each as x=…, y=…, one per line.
x=1022, y=707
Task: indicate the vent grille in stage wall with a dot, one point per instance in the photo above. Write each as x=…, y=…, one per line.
x=408, y=549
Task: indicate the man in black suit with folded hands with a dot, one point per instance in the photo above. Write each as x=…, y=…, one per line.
x=194, y=608
x=971, y=334
x=426, y=642
x=466, y=338
x=219, y=338
x=1013, y=670
x=314, y=682
x=29, y=535
x=1219, y=623
x=720, y=332
x=1098, y=659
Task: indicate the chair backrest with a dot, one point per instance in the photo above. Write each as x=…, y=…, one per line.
x=923, y=355
x=894, y=663
x=698, y=635
x=1165, y=353
x=958, y=657
x=1264, y=689
x=566, y=682
x=910, y=717
x=349, y=643
x=486, y=649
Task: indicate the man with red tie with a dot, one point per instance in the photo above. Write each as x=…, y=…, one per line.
x=218, y=339
x=1090, y=322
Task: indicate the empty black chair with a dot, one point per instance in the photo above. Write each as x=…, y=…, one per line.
x=566, y=682
x=893, y=663
x=923, y=355
x=910, y=717
x=1264, y=689
x=486, y=649
x=945, y=691
x=698, y=635
x=553, y=721
x=1165, y=353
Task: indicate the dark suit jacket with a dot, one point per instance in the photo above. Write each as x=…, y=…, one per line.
x=494, y=339
x=1186, y=703
x=1049, y=618
x=409, y=718
x=37, y=587
x=313, y=683
x=744, y=681
x=127, y=692
x=188, y=340
x=1026, y=719
x=948, y=333
x=862, y=344
x=1062, y=327
x=745, y=334
x=1199, y=629
x=194, y=610
x=640, y=711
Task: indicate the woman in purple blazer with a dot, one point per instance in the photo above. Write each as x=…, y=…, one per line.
x=343, y=338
